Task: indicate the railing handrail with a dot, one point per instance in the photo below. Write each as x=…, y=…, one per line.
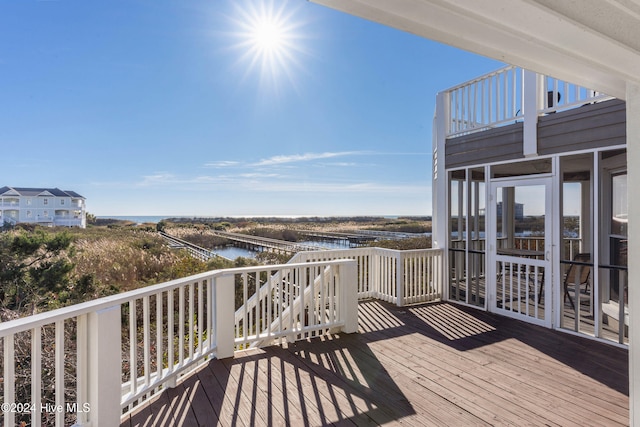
x=480, y=78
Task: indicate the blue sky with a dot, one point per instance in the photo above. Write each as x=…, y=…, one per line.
x=216, y=108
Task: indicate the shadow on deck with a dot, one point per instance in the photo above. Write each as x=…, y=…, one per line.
x=431, y=364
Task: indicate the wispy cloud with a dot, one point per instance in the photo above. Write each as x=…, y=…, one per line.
x=259, y=175
x=285, y=174
x=222, y=164
x=340, y=164
x=287, y=159
x=271, y=183
x=295, y=158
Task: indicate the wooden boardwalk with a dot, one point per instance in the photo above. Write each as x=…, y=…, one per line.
x=428, y=365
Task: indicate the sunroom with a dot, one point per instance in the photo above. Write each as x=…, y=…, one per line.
x=531, y=187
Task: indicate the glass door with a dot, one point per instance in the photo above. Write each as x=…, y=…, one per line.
x=520, y=249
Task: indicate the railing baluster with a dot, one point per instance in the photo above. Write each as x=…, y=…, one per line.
x=280, y=301
x=315, y=292
x=303, y=285
x=191, y=319
x=270, y=294
x=159, y=334
x=332, y=295
x=9, y=378
x=505, y=102
x=290, y=297
x=245, y=324
x=210, y=310
x=133, y=347
x=181, y=326
x=59, y=371
x=36, y=370
x=170, y=330
x=262, y=297
x=201, y=315
x=146, y=340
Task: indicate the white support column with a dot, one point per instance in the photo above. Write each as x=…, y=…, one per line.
x=596, y=231
x=530, y=99
x=104, y=367
x=633, y=171
x=224, y=315
x=439, y=182
x=349, y=291
x=399, y=280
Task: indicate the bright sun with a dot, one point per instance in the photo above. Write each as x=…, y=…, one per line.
x=268, y=38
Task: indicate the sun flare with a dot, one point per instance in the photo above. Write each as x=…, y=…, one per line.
x=268, y=36
x=269, y=39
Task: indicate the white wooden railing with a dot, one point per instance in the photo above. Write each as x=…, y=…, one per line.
x=123, y=349
x=571, y=246
x=296, y=302
x=497, y=98
x=398, y=277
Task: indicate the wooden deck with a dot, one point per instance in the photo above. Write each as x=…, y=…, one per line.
x=429, y=365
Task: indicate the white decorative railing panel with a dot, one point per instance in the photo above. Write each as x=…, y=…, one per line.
x=497, y=98
x=485, y=102
x=296, y=302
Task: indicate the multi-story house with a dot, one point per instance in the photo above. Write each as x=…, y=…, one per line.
x=503, y=161
x=44, y=206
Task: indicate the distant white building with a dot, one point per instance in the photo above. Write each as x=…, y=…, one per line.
x=44, y=206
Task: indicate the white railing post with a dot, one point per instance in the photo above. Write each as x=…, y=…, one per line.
x=441, y=122
x=399, y=279
x=349, y=291
x=374, y=277
x=225, y=313
x=9, y=377
x=82, y=370
x=531, y=88
x=104, y=367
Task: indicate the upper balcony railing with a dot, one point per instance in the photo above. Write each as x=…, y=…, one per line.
x=498, y=98
x=65, y=220
x=90, y=363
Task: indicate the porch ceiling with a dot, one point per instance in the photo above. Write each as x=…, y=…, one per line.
x=594, y=43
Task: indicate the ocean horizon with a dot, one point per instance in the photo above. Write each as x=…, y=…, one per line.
x=141, y=219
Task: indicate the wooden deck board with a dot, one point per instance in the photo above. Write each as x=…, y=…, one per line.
x=432, y=364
